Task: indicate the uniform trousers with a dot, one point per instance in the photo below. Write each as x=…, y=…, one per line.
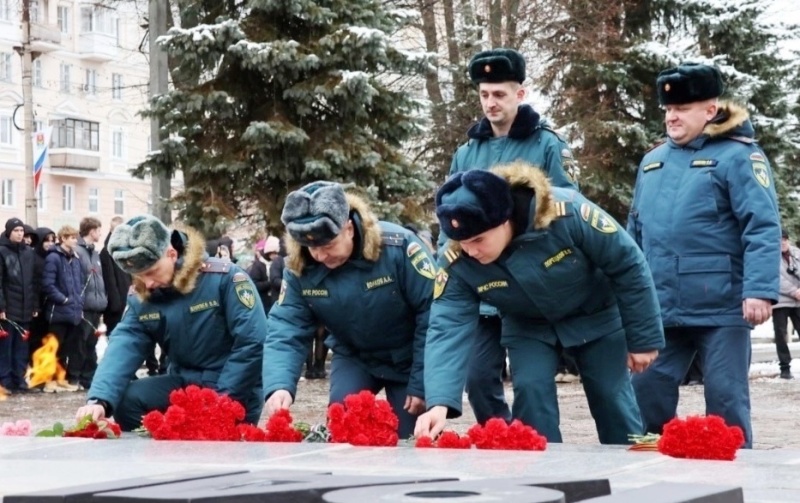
x=484, y=386
x=725, y=359
x=604, y=374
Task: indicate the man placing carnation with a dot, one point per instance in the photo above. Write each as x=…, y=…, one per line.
x=370, y=283
x=204, y=312
x=563, y=276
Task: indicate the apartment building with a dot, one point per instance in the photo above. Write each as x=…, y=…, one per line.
x=90, y=80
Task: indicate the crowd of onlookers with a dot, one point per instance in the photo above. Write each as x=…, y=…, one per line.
x=64, y=284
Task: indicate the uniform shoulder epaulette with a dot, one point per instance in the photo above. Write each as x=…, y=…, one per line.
x=548, y=128
x=656, y=145
x=449, y=256
x=215, y=266
x=563, y=209
x=742, y=139
x=390, y=238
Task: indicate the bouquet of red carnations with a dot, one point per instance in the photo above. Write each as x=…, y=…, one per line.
x=696, y=437
x=86, y=428
x=363, y=420
x=196, y=413
x=495, y=434
x=699, y=437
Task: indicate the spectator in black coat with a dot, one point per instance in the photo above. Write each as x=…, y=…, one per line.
x=117, y=281
x=45, y=239
x=18, y=304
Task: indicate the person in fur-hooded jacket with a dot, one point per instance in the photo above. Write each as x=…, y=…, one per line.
x=370, y=283
x=706, y=216
x=204, y=312
x=563, y=275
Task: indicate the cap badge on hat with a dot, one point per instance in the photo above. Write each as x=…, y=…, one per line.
x=667, y=87
x=454, y=223
x=487, y=69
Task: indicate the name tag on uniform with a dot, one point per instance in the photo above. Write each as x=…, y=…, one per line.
x=558, y=257
x=492, y=285
x=378, y=282
x=652, y=166
x=202, y=306
x=704, y=163
x=150, y=316
x=315, y=292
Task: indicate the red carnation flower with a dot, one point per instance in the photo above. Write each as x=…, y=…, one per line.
x=699, y=437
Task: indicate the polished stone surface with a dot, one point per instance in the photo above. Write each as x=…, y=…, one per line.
x=34, y=464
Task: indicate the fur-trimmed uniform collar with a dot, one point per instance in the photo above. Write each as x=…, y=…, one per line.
x=525, y=124
x=522, y=175
x=731, y=119
x=367, y=234
x=188, y=266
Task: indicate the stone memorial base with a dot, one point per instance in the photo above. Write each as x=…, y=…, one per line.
x=132, y=470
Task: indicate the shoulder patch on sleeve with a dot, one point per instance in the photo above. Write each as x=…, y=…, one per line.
x=215, y=267
x=393, y=238
x=239, y=277
x=761, y=173
x=439, y=284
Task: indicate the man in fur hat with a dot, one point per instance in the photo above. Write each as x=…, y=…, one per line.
x=511, y=130
x=370, y=283
x=705, y=214
x=564, y=277
x=204, y=312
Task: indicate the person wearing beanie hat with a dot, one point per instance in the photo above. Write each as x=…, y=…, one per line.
x=369, y=283
x=19, y=304
x=564, y=276
x=510, y=130
x=705, y=213
x=203, y=311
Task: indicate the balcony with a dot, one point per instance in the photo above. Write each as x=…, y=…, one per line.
x=45, y=37
x=100, y=47
x=70, y=159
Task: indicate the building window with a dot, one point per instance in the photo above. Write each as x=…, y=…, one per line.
x=6, y=131
x=5, y=65
x=119, y=202
x=7, y=196
x=117, y=144
x=37, y=73
x=67, y=198
x=90, y=82
x=5, y=10
x=38, y=126
x=98, y=19
x=94, y=199
x=41, y=202
x=116, y=86
x=72, y=133
x=65, y=78
x=63, y=19
x=34, y=11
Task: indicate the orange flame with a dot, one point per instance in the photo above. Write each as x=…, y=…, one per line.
x=45, y=366
x=3, y=394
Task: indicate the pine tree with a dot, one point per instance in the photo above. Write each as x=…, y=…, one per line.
x=603, y=70
x=294, y=91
